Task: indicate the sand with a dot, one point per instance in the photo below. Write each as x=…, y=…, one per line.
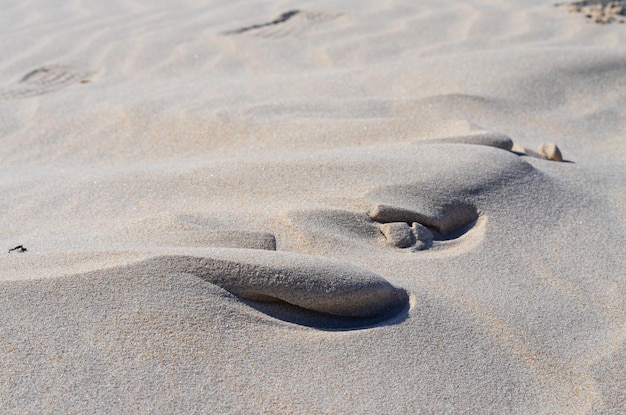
x=198, y=190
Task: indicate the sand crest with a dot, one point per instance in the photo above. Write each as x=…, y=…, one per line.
x=484, y=139
x=313, y=283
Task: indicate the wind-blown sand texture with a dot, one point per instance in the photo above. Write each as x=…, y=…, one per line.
x=311, y=207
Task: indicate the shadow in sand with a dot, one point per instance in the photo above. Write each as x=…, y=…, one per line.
x=297, y=315
x=519, y=153
x=455, y=234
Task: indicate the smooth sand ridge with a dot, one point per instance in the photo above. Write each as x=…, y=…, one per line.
x=195, y=231
x=169, y=167
x=486, y=139
x=309, y=282
x=312, y=283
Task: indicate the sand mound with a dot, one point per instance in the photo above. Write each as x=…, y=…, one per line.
x=309, y=282
x=442, y=201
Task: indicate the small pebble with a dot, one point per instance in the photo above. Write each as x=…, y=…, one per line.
x=421, y=232
x=398, y=234
x=550, y=151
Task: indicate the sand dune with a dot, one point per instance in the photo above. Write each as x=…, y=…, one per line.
x=311, y=207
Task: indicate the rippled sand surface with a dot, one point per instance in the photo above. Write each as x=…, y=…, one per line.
x=312, y=207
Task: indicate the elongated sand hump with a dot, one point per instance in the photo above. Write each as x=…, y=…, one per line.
x=448, y=198
x=310, y=282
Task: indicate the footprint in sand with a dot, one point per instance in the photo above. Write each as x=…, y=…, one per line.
x=599, y=11
x=294, y=23
x=44, y=80
x=303, y=289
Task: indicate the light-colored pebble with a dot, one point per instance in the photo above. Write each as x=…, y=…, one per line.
x=550, y=151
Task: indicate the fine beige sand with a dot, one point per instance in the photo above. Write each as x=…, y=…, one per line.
x=309, y=207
